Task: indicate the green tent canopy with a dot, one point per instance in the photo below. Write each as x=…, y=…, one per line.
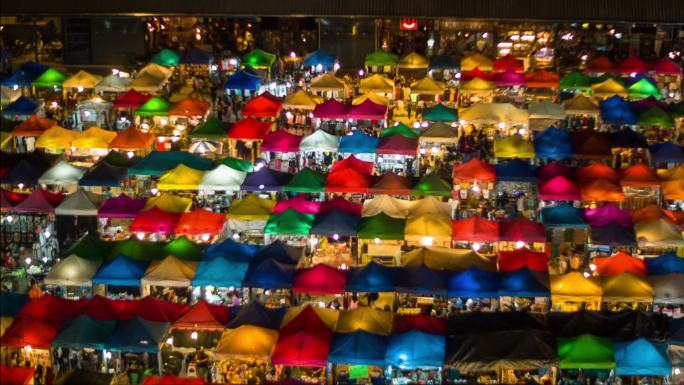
x=83, y=332
x=383, y=227
x=90, y=247
x=50, y=78
x=432, y=184
x=167, y=58
x=401, y=129
x=117, y=159
x=586, y=352
x=381, y=58
x=643, y=89
x=440, y=113
x=138, y=250
x=237, y=164
x=154, y=107
x=306, y=180
x=259, y=59
x=656, y=116
x=289, y=222
x=575, y=80
x=183, y=248
x=212, y=128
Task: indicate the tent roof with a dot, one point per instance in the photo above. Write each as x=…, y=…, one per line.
x=413, y=61
x=575, y=287
x=180, y=177
x=200, y=221
x=269, y=274
x=50, y=78
x=320, y=279
x=137, y=335
x=358, y=348
x=609, y=87
x=72, y=271
x=513, y=146
x=580, y=104
x=522, y=229
x=166, y=57
x=443, y=62
x=585, y=352
x=476, y=73
x=542, y=79
x=415, y=349
x=156, y=106
x=665, y=264
x=563, y=216
x=247, y=341
x=265, y=179
x=381, y=226
x=515, y=170
x=258, y=58
x=359, y=143
x=591, y=144
x=131, y=99
x=601, y=190
x=169, y=203
x=658, y=233
x=667, y=289
x=203, y=316
x=237, y=164
x=250, y=208
x=371, y=278
x=256, y=314
x=627, y=138
x=430, y=206
x=523, y=258
x=222, y=178
x=376, y=83
x=474, y=283
x=613, y=233
x=391, y=183
x=249, y=129
x=298, y=203
x=427, y=226
x=475, y=229
x=158, y=163
x=29, y=331
x=494, y=112
x=94, y=137
x=524, y=283
x=477, y=84
x=319, y=140
x=301, y=100
x=83, y=332
x=16, y=375
x=576, y=80
x=626, y=287
x=381, y=58
x=281, y=141
x=439, y=132
x=639, y=175
x=509, y=78
x=427, y=86
x=79, y=203
x=368, y=110
x=120, y=271
x=331, y=109
x=61, y=173
x=263, y=106
x=121, y=206
x=243, y=80
x=440, y=113
x=34, y=125
x=347, y=180
x=154, y=220
x=397, y=144
x=327, y=82
x=558, y=188
x=170, y=271
x=82, y=79
x=643, y=89
x=444, y=258
x=546, y=110
x=289, y=222
x=655, y=116
x=22, y=106
x=478, y=61
x=113, y=83
x=196, y=56
x=40, y=201
x=190, y=107
x=607, y=213
x=221, y=272
x=474, y=171
x=57, y=138
x=386, y=204
x=365, y=319
x=319, y=57
x=306, y=180
x=132, y=138
x=335, y=222
x=641, y=357
x=508, y=63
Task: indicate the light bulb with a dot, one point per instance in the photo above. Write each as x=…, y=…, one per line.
x=261, y=187
x=336, y=236
x=426, y=241
x=108, y=355
x=361, y=72
x=462, y=122
x=169, y=340
x=47, y=234
x=476, y=246
x=586, y=275
x=502, y=125
x=193, y=335
x=29, y=348
x=10, y=219
x=80, y=89
x=519, y=245
x=205, y=237
x=130, y=154
x=377, y=241
x=154, y=191
x=293, y=54
x=140, y=236
x=28, y=261
x=592, y=267
x=21, y=186
x=236, y=236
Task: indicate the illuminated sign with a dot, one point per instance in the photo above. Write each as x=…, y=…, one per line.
x=408, y=25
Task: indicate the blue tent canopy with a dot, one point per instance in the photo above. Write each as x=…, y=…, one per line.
x=358, y=348
x=22, y=106
x=121, y=271
x=359, y=143
x=270, y=274
x=474, y=283
x=256, y=314
x=242, y=80
x=666, y=153
x=18, y=78
x=515, y=170
x=553, y=143
x=156, y=163
x=321, y=57
x=33, y=69
x=524, y=283
x=420, y=279
x=444, y=62
x=231, y=251
x=104, y=174
x=616, y=110
x=336, y=221
x=665, y=264
x=197, y=56
x=83, y=332
x=137, y=336
x=564, y=216
x=415, y=349
x=372, y=278
x=265, y=179
x=641, y=358
x=278, y=251
x=220, y=272
x=12, y=302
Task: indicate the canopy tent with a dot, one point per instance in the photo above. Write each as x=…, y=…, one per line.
x=371, y=278
x=335, y=223
x=289, y=222
x=575, y=287
x=475, y=229
x=673, y=183
x=655, y=117
x=477, y=85
x=113, y=83
x=158, y=163
x=34, y=125
x=122, y=206
x=61, y=173
x=381, y=227
x=220, y=272
x=249, y=129
x=522, y=229
x=667, y=289
x=430, y=206
x=120, y=271
x=413, y=60
x=381, y=58
x=444, y=258
x=600, y=190
x=667, y=263
x=265, y=179
x=166, y=57
x=28, y=331
x=376, y=83
x=439, y=132
x=89, y=247
x=347, y=179
x=598, y=171
x=476, y=61
x=222, y=178
x=365, y=319
x=280, y=252
x=281, y=141
x=247, y=341
x=358, y=143
x=631, y=64
x=509, y=78
x=154, y=220
x=430, y=325
x=10, y=199
x=575, y=80
x=27, y=72
x=642, y=89
x=508, y=63
x=319, y=140
x=298, y=203
x=16, y=375
x=391, y=183
x=156, y=106
x=432, y=184
x=57, y=138
x=515, y=170
x=331, y=109
x=231, y=250
x=39, y=202
x=476, y=73
x=131, y=99
x=319, y=279
x=93, y=137
x=242, y=80
x=301, y=100
x=372, y=96
x=104, y=174
x=397, y=144
x=641, y=358
x=388, y=205
x=151, y=78
x=190, y=107
x=23, y=106
x=200, y=222
x=319, y=57
x=368, y=110
x=522, y=258
x=169, y=272
x=82, y=80
x=237, y=164
x=307, y=348
x=613, y=233
x=137, y=335
x=494, y=113
x=183, y=248
x=169, y=203
x=542, y=79
x=421, y=280
x=665, y=66
x=474, y=171
x=580, y=104
x=83, y=332
x=327, y=82
x=256, y=314
x=138, y=250
x=427, y=86
x=358, y=348
x=180, y=177
x=428, y=228
x=639, y=175
x=626, y=287
x=133, y=139
x=250, y=208
x=263, y=106
x=50, y=78
x=563, y=216
x=609, y=87
x=203, y=316
x=585, y=352
x=415, y=349
x=72, y=271
x=260, y=59
x=607, y=213
x=524, y=283
x=546, y=110
x=474, y=283
x=658, y=233
x=80, y=203
x=591, y=144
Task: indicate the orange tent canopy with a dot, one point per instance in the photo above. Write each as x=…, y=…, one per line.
x=263, y=106
x=598, y=171
x=133, y=139
x=542, y=79
x=653, y=212
x=200, y=221
x=640, y=175
x=601, y=190
x=33, y=126
x=190, y=107
x=618, y=264
x=474, y=170
x=203, y=316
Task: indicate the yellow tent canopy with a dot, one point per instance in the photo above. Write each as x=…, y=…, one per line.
x=94, y=137
x=366, y=319
x=430, y=206
x=328, y=316
x=251, y=208
x=389, y=205
x=494, y=113
x=575, y=287
x=483, y=63
x=247, y=341
x=413, y=61
x=57, y=138
x=673, y=183
x=608, y=87
x=376, y=83
x=5, y=322
x=169, y=203
x=301, y=100
x=445, y=258
x=82, y=79
x=327, y=82
x=658, y=233
x=581, y=104
x=427, y=86
x=181, y=177
x=626, y=287
x=676, y=173
x=170, y=271
x=476, y=85
x=513, y=146
x=374, y=97
x=428, y=228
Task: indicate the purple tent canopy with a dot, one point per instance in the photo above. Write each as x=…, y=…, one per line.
x=368, y=110
x=509, y=78
x=331, y=109
x=265, y=179
x=601, y=216
x=613, y=234
x=122, y=206
x=648, y=103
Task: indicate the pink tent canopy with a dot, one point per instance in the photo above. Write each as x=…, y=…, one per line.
x=508, y=79
x=368, y=110
x=666, y=66
x=122, y=206
x=559, y=188
x=522, y=229
x=631, y=65
x=331, y=109
x=154, y=220
x=281, y=141
x=556, y=168
x=342, y=204
x=39, y=202
x=398, y=144
x=607, y=213
x=299, y=204
x=320, y=279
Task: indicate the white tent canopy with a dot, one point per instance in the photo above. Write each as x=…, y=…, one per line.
x=430, y=206
x=80, y=203
x=62, y=173
x=222, y=178
x=388, y=205
x=72, y=271
x=658, y=233
x=668, y=288
x=113, y=83
x=151, y=78
x=321, y=141
x=546, y=110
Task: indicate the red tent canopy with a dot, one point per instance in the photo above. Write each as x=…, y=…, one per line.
x=39, y=202
x=601, y=190
x=249, y=129
x=200, y=221
x=331, y=109
x=190, y=107
x=263, y=106
x=556, y=168
x=600, y=64
x=104, y=308
x=397, y=144
x=632, y=65
x=475, y=229
x=29, y=331
x=51, y=308
x=347, y=180
x=9, y=199
x=281, y=141
x=131, y=99
x=591, y=144
x=509, y=78
x=304, y=341
x=618, y=264
x=542, y=79
x=341, y=204
x=558, y=188
x=368, y=110
x=154, y=220
x=299, y=203
x=474, y=170
x=522, y=229
x=33, y=126
x=152, y=309
x=476, y=73
x=353, y=163
x=12, y=375
x=639, y=175
x=598, y=171
x=409, y=322
x=320, y=279
x=172, y=380
x=203, y=316
x=517, y=259
x=666, y=66
x=508, y=62
x=391, y=184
